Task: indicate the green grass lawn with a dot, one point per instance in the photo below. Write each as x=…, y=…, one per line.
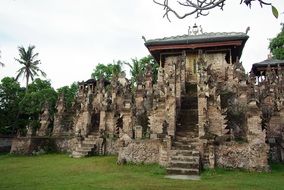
x=55, y=171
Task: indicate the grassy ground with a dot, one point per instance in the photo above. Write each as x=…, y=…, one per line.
x=54, y=171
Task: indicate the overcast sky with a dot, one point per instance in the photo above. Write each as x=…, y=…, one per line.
x=72, y=36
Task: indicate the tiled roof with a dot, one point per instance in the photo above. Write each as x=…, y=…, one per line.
x=256, y=67
x=271, y=62
x=205, y=37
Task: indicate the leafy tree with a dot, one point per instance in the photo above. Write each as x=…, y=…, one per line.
x=202, y=7
x=138, y=68
x=30, y=64
x=40, y=92
x=10, y=95
x=276, y=45
x=107, y=71
x=149, y=60
x=69, y=93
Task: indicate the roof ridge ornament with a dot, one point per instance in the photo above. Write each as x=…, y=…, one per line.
x=195, y=30
x=247, y=30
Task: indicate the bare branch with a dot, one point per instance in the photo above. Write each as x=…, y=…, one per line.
x=198, y=7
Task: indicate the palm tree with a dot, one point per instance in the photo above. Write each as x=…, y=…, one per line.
x=137, y=69
x=30, y=64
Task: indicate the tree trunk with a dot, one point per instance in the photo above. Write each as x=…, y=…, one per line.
x=27, y=82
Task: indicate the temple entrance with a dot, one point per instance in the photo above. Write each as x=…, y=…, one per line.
x=95, y=122
x=188, y=117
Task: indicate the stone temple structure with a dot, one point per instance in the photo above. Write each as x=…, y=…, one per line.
x=203, y=112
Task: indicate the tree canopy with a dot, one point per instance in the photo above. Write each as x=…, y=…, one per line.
x=10, y=96
x=69, y=93
x=19, y=108
x=276, y=45
x=107, y=71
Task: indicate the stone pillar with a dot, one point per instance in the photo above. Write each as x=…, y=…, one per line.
x=127, y=119
x=254, y=123
x=110, y=123
x=282, y=132
x=202, y=116
x=139, y=99
x=171, y=93
x=138, y=132
x=44, y=123
x=183, y=73
x=102, y=120
x=243, y=90
x=256, y=138
x=171, y=115
x=211, y=156
x=58, y=116
x=281, y=113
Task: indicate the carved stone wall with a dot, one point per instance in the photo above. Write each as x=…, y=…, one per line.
x=143, y=151
x=216, y=120
x=251, y=156
x=219, y=63
x=156, y=119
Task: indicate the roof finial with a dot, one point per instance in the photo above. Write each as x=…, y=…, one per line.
x=195, y=30
x=269, y=56
x=143, y=37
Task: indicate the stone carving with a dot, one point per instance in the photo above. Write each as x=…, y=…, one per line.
x=45, y=121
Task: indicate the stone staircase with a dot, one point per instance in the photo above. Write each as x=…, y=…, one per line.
x=87, y=146
x=184, y=157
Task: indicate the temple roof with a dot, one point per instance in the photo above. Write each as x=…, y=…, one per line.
x=232, y=42
x=261, y=66
x=205, y=37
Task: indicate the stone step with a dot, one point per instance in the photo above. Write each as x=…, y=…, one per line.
x=83, y=150
x=76, y=154
x=184, y=131
x=176, y=146
x=92, y=137
x=186, y=139
x=88, y=141
x=182, y=171
x=184, y=164
x=185, y=152
x=185, y=158
x=86, y=145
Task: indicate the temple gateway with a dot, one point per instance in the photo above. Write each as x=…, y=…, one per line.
x=203, y=112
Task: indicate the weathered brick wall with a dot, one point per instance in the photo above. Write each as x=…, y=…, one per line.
x=25, y=145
